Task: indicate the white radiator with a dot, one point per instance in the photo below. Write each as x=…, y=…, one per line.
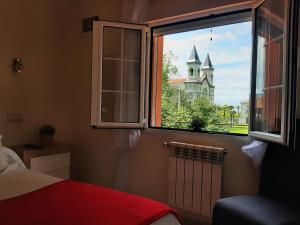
x=195, y=176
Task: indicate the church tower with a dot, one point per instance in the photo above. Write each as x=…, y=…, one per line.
x=194, y=65
x=208, y=70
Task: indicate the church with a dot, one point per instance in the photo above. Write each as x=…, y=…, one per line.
x=199, y=82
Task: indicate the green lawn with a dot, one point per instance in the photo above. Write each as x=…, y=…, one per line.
x=239, y=129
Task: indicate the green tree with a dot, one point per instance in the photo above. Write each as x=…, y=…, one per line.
x=210, y=113
x=168, y=68
x=175, y=103
x=178, y=111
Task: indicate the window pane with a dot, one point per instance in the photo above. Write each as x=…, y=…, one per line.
x=112, y=37
x=111, y=75
x=132, y=44
x=121, y=75
x=131, y=76
x=110, y=110
x=130, y=108
x=269, y=67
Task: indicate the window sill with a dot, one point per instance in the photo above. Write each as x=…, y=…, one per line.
x=195, y=132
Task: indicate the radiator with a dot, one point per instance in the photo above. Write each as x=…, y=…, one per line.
x=195, y=176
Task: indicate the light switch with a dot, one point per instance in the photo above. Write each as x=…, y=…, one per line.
x=14, y=117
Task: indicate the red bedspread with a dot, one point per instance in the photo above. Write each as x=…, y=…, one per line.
x=74, y=203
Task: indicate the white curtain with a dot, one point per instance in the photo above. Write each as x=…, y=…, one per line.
x=126, y=141
x=135, y=11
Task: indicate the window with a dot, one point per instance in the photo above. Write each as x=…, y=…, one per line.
x=202, y=74
x=270, y=72
x=207, y=74
x=118, y=75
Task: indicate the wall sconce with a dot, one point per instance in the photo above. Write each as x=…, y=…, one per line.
x=18, y=65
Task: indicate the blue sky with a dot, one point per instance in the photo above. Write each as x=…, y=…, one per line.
x=230, y=53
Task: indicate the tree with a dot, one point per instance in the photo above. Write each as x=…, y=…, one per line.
x=178, y=111
x=168, y=68
x=209, y=112
x=175, y=103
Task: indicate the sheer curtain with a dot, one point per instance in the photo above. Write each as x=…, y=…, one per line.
x=134, y=11
x=126, y=141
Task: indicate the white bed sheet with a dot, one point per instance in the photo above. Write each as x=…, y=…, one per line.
x=21, y=181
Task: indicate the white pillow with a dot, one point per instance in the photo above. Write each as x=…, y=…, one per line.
x=3, y=161
x=11, y=158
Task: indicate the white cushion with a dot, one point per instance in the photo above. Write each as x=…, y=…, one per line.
x=10, y=160
x=3, y=161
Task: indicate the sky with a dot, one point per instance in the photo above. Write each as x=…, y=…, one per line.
x=230, y=53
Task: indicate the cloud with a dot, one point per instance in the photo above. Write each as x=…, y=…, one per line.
x=232, y=85
x=230, y=53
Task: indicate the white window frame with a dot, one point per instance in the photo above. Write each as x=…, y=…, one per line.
x=96, y=119
x=282, y=138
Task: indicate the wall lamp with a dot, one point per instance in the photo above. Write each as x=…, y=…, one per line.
x=17, y=65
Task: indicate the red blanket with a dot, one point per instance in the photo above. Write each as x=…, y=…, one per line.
x=74, y=203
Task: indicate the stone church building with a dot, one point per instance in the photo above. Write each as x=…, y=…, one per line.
x=199, y=82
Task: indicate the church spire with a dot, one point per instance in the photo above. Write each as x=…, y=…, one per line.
x=207, y=65
x=194, y=58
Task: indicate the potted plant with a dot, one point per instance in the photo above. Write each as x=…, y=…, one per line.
x=47, y=135
x=197, y=124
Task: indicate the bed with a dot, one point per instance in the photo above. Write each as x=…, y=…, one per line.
x=29, y=195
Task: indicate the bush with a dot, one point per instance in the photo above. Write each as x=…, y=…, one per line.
x=197, y=124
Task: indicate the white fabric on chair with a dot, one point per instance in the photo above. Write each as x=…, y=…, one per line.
x=256, y=151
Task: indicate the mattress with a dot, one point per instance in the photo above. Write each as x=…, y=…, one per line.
x=21, y=181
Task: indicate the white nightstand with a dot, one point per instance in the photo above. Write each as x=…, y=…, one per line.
x=53, y=160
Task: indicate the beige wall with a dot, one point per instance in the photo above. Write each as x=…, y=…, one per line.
x=97, y=153
x=139, y=11
x=38, y=31
x=165, y=8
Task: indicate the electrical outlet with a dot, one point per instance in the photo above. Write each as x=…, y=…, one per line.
x=14, y=117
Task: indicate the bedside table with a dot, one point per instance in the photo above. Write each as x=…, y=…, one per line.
x=53, y=160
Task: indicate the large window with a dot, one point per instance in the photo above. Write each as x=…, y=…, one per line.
x=201, y=75
x=225, y=73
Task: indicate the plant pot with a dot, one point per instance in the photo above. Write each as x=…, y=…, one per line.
x=46, y=140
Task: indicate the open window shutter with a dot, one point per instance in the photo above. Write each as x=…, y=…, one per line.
x=118, y=75
x=270, y=72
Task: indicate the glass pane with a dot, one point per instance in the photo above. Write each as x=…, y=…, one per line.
x=130, y=108
x=131, y=76
x=111, y=75
x=121, y=65
x=132, y=44
x=269, y=67
x=112, y=37
x=110, y=110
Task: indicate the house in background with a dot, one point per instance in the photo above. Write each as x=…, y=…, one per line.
x=244, y=113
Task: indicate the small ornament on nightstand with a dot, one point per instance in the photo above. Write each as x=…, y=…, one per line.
x=47, y=135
